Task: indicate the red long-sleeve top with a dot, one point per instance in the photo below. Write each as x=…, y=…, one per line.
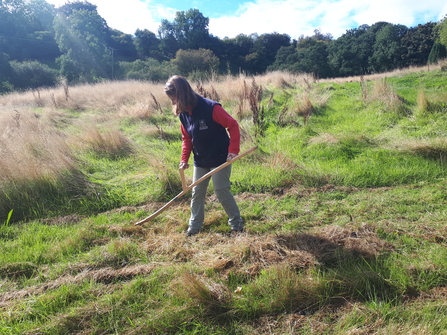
x=223, y=118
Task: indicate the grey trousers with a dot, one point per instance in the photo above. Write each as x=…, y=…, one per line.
x=221, y=183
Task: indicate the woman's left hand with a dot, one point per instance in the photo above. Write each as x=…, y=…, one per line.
x=231, y=156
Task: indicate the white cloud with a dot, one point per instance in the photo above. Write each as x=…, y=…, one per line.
x=292, y=17
x=129, y=15
x=302, y=17
x=406, y=12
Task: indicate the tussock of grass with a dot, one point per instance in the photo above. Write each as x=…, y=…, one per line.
x=36, y=166
x=384, y=93
x=212, y=298
x=111, y=143
x=428, y=106
x=304, y=107
x=279, y=289
x=32, y=150
x=435, y=148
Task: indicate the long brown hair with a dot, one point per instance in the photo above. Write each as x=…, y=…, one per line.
x=178, y=87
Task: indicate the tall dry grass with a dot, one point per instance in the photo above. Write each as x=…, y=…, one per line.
x=31, y=149
x=435, y=148
x=383, y=92
x=38, y=170
x=213, y=298
x=428, y=105
x=144, y=99
x=106, y=97
x=109, y=142
x=379, y=76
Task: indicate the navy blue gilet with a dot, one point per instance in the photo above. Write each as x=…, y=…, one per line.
x=210, y=140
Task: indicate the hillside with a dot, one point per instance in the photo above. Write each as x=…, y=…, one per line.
x=344, y=203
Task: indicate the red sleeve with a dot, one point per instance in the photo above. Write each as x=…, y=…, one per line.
x=227, y=121
x=186, y=145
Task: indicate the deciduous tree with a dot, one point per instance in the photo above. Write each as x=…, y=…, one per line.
x=388, y=49
x=189, y=30
x=201, y=63
x=348, y=55
x=147, y=44
x=81, y=36
x=417, y=44
x=264, y=51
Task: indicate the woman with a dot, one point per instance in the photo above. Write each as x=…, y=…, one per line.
x=204, y=126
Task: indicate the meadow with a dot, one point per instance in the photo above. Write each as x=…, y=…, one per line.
x=344, y=203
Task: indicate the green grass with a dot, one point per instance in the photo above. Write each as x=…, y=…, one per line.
x=345, y=216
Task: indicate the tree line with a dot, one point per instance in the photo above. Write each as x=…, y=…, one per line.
x=40, y=45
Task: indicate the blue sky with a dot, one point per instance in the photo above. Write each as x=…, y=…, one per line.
x=209, y=8
x=229, y=18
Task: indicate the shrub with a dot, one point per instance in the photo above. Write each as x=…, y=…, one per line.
x=437, y=53
x=32, y=74
x=150, y=69
x=197, y=64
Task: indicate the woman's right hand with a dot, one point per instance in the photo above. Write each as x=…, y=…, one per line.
x=183, y=165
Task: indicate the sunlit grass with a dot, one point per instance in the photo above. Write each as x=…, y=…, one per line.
x=343, y=201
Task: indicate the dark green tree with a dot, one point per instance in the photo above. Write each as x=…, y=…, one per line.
x=147, y=44
x=438, y=52
x=72, y=6
x=150, y=69
x=235, y=52
x=308, y=55
x=5, y=74
x=122, y=45
x=348, y=55
x=192, y=28
x=25, y=30
x=168, y=40
x=388, y=48
x=417, y=44
x=285, y=58
x=441, y=31
x=201, y=63
x=81, y=36
x=32, y=74
x=264, y=50
x=189, y=30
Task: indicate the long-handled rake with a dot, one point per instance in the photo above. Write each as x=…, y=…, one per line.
x=186, y=188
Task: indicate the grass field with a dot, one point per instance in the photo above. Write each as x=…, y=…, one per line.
x=344, y=203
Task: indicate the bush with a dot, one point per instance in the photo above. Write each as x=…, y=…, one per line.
x=437, y=53
x=196, y=64
x=5, y=74
x=32, y=74
x=151, y=70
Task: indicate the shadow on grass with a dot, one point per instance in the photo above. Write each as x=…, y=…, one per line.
x=353, y=264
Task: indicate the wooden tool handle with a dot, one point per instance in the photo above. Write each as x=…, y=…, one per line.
x=198, y=181
x=220, y=167
x=182, y=178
